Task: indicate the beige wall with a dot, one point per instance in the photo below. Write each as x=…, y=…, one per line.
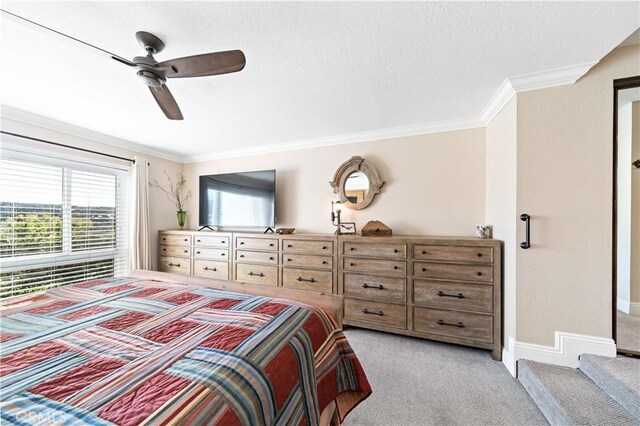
x=501, y=203
x=162, y=212
x=565, y=183
x=635, y=207
x=435, y=183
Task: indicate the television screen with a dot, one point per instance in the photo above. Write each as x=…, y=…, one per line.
x=238, y=199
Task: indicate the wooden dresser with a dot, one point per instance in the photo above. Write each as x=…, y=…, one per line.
x=439, y=288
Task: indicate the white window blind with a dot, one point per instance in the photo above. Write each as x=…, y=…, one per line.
x=60, y=223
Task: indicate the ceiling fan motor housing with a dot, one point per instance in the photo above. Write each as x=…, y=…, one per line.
x=151, y=79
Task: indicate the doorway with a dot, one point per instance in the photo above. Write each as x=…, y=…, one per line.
x=626, y=215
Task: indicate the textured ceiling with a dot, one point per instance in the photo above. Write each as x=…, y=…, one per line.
x=313, y=70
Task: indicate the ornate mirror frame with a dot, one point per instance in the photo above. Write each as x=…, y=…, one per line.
x=356, y=164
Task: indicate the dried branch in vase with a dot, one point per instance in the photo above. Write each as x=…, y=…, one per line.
x=175, y=193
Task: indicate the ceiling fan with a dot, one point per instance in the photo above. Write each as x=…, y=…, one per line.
x=155, y=74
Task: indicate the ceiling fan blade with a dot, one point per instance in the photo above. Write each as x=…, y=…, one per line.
x=65, y=37
x=166, y=101
x=206, y=64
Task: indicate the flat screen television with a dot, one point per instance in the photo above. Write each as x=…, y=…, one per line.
x=238, y=200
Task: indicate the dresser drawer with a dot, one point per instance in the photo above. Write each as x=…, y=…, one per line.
x=210, y=253
x=307, y=247
x=174, y=264
x=308, y=261
x=307, y=279
x=478, y=273
x=175, y=239
x=453, y=253
x=375, y=265
x=454, y=324
x=211, y=269
x=211, y=240
x=375, y=287
x=375, y=313
x=257, y=274
x=452, y=295
x=257, y=257
x=256, y=243
x=395, y=250
x=178, y=251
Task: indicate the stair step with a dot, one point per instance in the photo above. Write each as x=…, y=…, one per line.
x=567, y=397
x=618, y=377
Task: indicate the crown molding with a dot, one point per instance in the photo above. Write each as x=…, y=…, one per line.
x=534, y=81
x=550, y=78
x=395, y=132
x=498, y=101
x=36, y=120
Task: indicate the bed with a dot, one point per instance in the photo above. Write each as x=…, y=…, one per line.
x=157, y=348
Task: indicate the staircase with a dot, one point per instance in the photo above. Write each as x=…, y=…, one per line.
x=602, y=391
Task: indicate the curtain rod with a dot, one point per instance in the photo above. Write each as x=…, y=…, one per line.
x=132, y=160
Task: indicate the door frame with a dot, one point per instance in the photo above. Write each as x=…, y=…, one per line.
x=619, y=84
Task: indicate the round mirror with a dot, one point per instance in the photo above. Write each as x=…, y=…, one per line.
x=356, y=182
x=356, y=187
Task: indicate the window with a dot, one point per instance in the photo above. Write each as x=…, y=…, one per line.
x=60, y=222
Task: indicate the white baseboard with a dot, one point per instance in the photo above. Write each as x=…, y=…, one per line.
x=568, y=347
x=622, y=305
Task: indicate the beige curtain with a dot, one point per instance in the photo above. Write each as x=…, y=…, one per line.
x=140, y=228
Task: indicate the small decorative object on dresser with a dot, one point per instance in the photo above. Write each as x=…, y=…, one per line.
x=348, y=228
x=375, y=228
x=285, y=231
x=176, y=195
x=483, y=231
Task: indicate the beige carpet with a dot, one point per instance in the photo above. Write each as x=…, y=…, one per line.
x=420, y=382
x=628, y=332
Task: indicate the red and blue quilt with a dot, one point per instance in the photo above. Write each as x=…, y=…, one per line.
x=127, y=351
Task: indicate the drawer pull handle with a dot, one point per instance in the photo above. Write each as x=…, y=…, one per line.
x=164, y=239
x=288, y=260
x=260, y=274
x=352, y=248
x=164, y=249
x=197, y=252
x=271, y=258
x=223, y=242
x=199, y=241
x=377, y=287
x=186, y=239
x=479, y=273
x=395, y=250
x=366, y=311
x=242, y=255
x=222, y=254
x=241, y=243
x=479, y=254
x=424, y=252
x=459, y=324
x=206, y=268
x=174, y=264
x=324, y=262
x=396, y=267
x=288, y=245
x=424, y=269
x=352, y=264
x=270, y=244
x=324, y=247
x=186, y=251
x=443, y=294
x=312, y=280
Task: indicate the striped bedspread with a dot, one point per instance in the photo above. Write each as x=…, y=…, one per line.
x=127, y=351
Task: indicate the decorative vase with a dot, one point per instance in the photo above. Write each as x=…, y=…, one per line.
x=182, y=217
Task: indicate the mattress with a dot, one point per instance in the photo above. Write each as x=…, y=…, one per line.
x=131, y=351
